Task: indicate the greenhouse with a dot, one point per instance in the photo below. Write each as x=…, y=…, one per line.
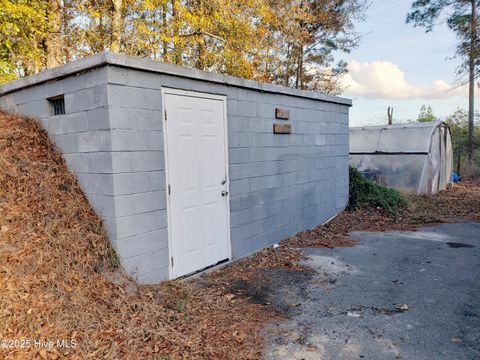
x=414, y=158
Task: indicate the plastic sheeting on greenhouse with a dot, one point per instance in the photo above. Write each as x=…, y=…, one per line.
x=415, y=158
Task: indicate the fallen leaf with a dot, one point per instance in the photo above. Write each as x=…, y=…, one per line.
x=355, y=313
x=239, y=336
x=456, y=340
x=401, y=307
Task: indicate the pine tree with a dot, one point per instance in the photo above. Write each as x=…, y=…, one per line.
x=462, y=18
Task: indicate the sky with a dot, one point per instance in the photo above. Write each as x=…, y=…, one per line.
x=401, y=66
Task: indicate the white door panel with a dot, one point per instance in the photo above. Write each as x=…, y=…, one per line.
x=196, y=154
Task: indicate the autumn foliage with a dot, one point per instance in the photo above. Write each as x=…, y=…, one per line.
x=289, y=42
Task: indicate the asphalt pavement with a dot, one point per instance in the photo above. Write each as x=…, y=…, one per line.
x=394, y=295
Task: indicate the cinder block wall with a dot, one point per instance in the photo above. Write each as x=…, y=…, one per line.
x=82, y=135
x=111, y=137
x=135, y=113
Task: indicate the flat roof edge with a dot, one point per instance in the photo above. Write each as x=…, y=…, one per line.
x=388, y=152
x=120, y=60
x=74, y=67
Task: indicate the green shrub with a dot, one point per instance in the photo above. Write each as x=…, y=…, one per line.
x=365, y=192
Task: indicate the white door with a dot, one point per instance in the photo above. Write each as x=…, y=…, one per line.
x=197, y=184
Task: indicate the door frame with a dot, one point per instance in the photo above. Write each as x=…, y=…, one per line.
x=189, y=93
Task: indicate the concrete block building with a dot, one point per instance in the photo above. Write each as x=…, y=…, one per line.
x=187, y=168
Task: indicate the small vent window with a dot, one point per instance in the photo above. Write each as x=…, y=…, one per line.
x=58, y=104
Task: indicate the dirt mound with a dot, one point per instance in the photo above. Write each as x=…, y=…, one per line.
x=53, y=251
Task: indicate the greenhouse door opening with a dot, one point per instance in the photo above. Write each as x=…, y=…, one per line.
x=197, y=183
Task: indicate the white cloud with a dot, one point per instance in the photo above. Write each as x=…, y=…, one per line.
x=385, y=80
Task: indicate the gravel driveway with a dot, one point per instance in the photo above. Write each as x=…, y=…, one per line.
x=395, y=295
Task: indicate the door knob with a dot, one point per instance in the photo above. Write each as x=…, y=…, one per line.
x=224, y=193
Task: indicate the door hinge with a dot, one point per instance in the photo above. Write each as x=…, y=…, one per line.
x=169, y=190
x=165, y=114
x=171, y=260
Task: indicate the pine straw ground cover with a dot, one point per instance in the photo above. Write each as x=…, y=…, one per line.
x=54, y=256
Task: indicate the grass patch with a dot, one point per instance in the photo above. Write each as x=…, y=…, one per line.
x=114, y=262
x=364, y=192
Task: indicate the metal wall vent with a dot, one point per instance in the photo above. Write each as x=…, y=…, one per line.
x=58, y=104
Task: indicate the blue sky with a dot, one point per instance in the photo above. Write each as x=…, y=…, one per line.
x=401, y=66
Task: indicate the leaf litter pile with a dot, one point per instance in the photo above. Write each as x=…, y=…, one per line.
x=56, y=268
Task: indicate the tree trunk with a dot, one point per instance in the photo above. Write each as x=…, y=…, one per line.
x=459, y=159
x=116, y=26
x=164, y=29
x=201, y=45
x=287, y=66
x=200, y=63
x=471, y=86
x=299, y=80
x=177, y=51
x=66, y=44
x=53, y=41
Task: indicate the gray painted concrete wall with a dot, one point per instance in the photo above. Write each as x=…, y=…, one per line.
x=135, y=112
x=111, y=137
x=82, y=135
